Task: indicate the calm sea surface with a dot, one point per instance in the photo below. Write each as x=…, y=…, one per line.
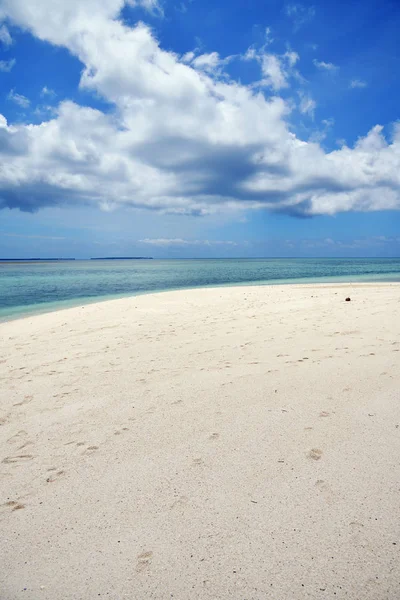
x=34, y=287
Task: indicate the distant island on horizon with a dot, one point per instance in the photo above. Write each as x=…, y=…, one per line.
x=68, y=259
x=34, y=259
x=123, y=258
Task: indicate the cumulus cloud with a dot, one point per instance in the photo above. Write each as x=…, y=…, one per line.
x=206, y=61
x=273, y=72
x=210, y=62
x=180, y=139
x=276, y=69
x=188, y=57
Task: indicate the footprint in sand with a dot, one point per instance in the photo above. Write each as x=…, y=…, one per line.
x=315, y=454
x=144, y=561
x=181, y=501
x=90, y=449
x=55, y=476
x=25, y=445
x=20, y=458
x=356, y=525
x=356, y=531
x=18, y=437
x=325, y=490
x=120, y=432
x=13, y=505
x=26, y=400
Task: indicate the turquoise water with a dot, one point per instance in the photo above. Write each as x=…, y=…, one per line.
x=34, y=287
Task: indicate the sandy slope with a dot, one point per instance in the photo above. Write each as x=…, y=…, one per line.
x=236, y=443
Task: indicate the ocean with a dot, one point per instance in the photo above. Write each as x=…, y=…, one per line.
x=35, y=287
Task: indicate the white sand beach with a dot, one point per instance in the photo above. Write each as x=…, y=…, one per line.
x=231, y=443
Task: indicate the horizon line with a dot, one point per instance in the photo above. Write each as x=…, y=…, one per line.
x=71, y=259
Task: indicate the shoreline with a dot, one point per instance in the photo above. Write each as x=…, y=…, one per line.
x=229, y=442
x=101, y=300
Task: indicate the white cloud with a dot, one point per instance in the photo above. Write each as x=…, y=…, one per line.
x=276, y=69
x=47, y=92
x=19, y=99
x=5, y=37
x=152, y=6
x=163, y=242
x=179, y=140
x=291, y=57
x=210, y=63
x=182, y=8
x=273, y=72
x=320, y=134
x=358, y=243
x=188, y=57
x=325, y=66
x=45, y=111
x=251, y=54
x=357, y=83
x=206, y=62
x=268, y=36
x=307, y=104
x=7, y=65
x=299, y=14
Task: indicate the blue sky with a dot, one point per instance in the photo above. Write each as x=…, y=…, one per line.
x=188, y=128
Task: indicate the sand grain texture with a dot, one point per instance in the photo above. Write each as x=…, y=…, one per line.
x=233, y=443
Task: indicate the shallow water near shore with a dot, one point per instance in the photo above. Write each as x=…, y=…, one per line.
x=30, y=287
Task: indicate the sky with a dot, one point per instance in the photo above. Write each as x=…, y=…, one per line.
x=188, y=128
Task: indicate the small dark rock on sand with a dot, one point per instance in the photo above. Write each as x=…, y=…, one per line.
x=348, y=299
